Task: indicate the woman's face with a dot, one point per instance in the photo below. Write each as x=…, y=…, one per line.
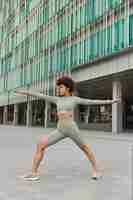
x=62, y=90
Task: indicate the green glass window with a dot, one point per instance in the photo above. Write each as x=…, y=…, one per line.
x=131, y=30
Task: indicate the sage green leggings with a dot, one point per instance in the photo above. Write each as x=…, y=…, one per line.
x=71, y=131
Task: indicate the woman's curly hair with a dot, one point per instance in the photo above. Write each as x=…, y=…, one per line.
x=68, y=82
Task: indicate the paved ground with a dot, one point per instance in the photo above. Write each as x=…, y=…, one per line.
x=65, y=172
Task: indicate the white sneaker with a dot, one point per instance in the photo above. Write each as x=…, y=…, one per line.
x=98, y=176
x=31, y=177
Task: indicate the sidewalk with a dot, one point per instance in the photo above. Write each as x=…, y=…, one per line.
x=65, y=172
x=125, y=136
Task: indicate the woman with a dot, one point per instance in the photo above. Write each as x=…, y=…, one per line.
x=66, y=126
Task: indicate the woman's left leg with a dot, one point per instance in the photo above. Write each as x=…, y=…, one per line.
x=90, y=155
x=77, y=138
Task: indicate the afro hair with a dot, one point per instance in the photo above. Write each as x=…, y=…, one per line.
x=67, y=81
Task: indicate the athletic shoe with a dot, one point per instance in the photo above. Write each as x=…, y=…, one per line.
x=98, y=176
x=31, y=177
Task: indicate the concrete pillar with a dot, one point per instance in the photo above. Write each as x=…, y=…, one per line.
x=29, y=114
x=76, y=114
x=87, y=114
x=5, y=115
x=15, y=116
x=117, y=109
x=76, y=109
x=46, y=114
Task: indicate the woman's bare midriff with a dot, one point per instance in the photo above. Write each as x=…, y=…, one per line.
x=66, y=115
x=64, y=119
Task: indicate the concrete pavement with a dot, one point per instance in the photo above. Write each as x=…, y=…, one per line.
x=65, y=171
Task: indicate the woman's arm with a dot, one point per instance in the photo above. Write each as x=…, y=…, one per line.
x=52, y=99
x=95, y=102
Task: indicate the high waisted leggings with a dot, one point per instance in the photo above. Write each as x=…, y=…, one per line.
x=69, y=130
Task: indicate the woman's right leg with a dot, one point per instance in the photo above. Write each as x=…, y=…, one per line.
x=38, y=156
x=45, y=142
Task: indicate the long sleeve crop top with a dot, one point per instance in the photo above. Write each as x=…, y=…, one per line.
x=67, y=104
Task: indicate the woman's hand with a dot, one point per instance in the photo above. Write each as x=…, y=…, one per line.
x=22, y=92
x=117, y=100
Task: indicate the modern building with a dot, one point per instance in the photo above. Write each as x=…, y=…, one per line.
x=91, y=39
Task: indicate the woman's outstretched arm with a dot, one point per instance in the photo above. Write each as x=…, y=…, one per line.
x=52, y=99
x=95, y=102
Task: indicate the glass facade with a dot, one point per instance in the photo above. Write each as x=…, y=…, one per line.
x=43, y=37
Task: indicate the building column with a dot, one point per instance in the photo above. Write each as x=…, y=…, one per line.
x=29, y=114
x=5, y=115
x=117, y=108
x=87, y=114
x=15, y=116
x=76, y=114
x=46, y=114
